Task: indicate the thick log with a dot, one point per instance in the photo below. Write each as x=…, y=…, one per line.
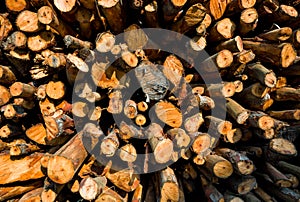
x=151, y=15
x=219, y=166
x=169, y=186
x=241, y=163
x=110, y=144
x=27, y=21
x=282, y=55
x=90, y=188
x=223, y=29
x=47, y=16
x=260, y=120
x=263, y=195
x=23, y=90
x=233, y=45
x=293, y=114
x=192, y=123
x=16, y=40
x=286, y=94
x=33, y=195
x=262, y=74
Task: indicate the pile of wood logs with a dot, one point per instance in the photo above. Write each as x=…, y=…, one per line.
x=176, y=137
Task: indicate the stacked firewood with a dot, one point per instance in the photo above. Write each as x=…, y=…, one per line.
x=224, y=128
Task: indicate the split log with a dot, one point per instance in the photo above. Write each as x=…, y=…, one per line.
x=9, y=192
x=194, y=15
x=27, y=168
x=169, y=114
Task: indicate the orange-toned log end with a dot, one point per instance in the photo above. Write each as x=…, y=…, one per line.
x=201, y=143
x=65, y=5
x=163, y=151
x=170, y=192
x=221, y=167
x=245, y=167
x=288, y=55
x=60, y=169
x=4, y=95
x=234, y=135
x=168, y=114
x=266, y=122
x=16, y=5
x=5, y=27
x=90, y=188
x=48, y=195
x=45, y=15
x=224, y=59
x=55, y=90
x=41, y=41
x=27, y=21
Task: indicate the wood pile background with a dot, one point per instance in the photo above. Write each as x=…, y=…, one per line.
x=251, y=156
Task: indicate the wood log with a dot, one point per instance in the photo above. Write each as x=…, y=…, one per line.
x=4, y=95
x=220, y=60
x=278, y=178
x=110, y=144
x=46, y=15
x=250, y=197
x=237, y=6
x=242, y=185
x=23, y=90
x=20, y=170
x=170, y=9
x=223, y=29
x=226, y=89
x=289, y=168
x=230, y=197
x=281, y=34
x=6, y=26
x=217, y=9
x=210, y=191
x=263, y=195
x=233, y=45
x=75, y=43
x=248, y=21
x=262, y=74
x=285, y=114
x=27, y=21
x=110, y=195
x=221, y=126
x=114, y=13
x=66, y=161
x=124, y=179
x=286, y=94
x=260, y=120
x=84, y=17
x=241, y=163
x=33, y=195
x=219, y=166
x=151, y=15
x=9, y=192
x=194, y=15
x=90, y=188
x=192, y=123
x=235, y=110
x=16, y=40
x=169, y=186
x=282, y=55
x=283, y=147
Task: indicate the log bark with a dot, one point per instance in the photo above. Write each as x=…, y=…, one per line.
x=282, y=55
x=219, y=166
